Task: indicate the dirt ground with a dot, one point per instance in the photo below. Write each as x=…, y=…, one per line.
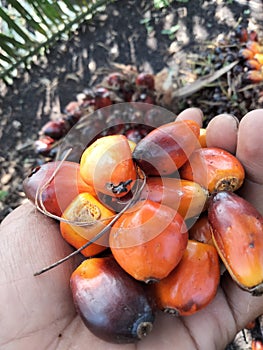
x=129, y=32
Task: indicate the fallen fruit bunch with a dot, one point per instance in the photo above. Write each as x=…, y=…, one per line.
x=155, y=221
x=123, y=85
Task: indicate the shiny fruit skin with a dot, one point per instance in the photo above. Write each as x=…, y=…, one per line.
x=253, y=64
x=246, y=54
x=149, y=240
x=65, y=186
x=186, y=197
x=201, y=230
x=257, y=344
x=102, y=98
x=112, y=304
x=115, y=81
x=167, y=148
x=237, y=234
x=145, y=80
x=253, y=76
x=214, y=169
x=44, y=145
x=242, y=34
x=259, y=57
x=254, y=46
x=107, y=165
x=253, y=35
x=55, y=129
x=86, y=208
x=193, y=284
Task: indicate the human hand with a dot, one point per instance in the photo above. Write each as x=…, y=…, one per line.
x=38, y=312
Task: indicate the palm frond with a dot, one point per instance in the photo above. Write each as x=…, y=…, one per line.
x=28, y=27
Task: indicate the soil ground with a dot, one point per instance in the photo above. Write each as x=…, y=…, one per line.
x=129, y=32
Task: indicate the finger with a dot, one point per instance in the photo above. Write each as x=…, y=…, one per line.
x=250, y=153
x=214, y=327
x=244, y=306
x=250, y=146
x=30, y=304
x=211, y=328
x=192, y=113
x=230, y=312
x=222, y=132
x=77, y=336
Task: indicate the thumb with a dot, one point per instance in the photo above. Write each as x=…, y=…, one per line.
x=250, y=146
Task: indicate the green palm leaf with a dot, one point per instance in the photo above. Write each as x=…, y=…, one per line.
x=28, y=26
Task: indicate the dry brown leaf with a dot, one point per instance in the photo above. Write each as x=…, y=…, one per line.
x=201, y=82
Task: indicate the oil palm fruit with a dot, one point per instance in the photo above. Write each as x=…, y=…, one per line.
x=107, y=165
x=214, y=169
x=193, y=284
x=113, y=305
x=238, y=236
x=166, y=148
x=148, y=240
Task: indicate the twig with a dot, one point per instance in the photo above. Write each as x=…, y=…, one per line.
x=200, y=83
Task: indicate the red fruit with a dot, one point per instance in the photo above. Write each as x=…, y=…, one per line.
x=149, y=240
x=55, y=129
x=186, y=197
x=165, y=149
x=254, y=46
x=112, y=305
x=193, y=284
x=115, y=81
x=237, y=234
x=253, y=64
x=144, y=97
x=145, y=80
x=102, y=98
x=44, y=145
x=107, y=165
x=201, y=231
x=214, y=169
x=72, y=119
x=254, y=76
x=246, y=54
x=71, y=107
x=257, y=344
x=136, y=134
x=65, y=186
x=242, y=34
x=114, y=124
x=253, y=36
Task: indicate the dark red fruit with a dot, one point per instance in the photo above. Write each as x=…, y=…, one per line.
x=133, y=135
x=115, y=81
x=154, y=117
x=54, y=196
x=242, y=34
x=253, y=35
x=55, y=129
x=113, y=305
x=114, y=123
x=237, y=234
x=144, y=97
x=43, y=146
x=145, y=80
x=71, y=107
x=102, y=98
